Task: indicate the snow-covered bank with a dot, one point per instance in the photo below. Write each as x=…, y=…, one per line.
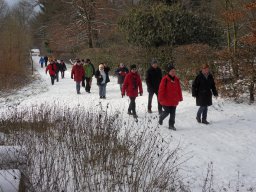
x=228, y=141
x=10, y=180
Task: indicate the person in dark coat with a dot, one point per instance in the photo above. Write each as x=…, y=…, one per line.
x=77, y=73
x=132, y=83
x=169, y=95
x=45, y=61
x=58, y=69
x=52, y=68
x=89, y=73
x=153, y=79
x=121, y=72
x=202, y=89
x=102, y=79
x=62, y=68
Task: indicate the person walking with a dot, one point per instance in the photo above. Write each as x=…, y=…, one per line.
x=169, y=95
x=102, y=79
x=153, y=79
x=203, y=88
x=132, y=84
x=45, y=61
x=77, y=74
x=121, y=72
x=41, y=61
x=63, y=68
x=52, y=68
x=89, y=73
x=58, y=69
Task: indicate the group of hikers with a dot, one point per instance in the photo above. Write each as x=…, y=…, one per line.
x=167, y=88
x=54, y=67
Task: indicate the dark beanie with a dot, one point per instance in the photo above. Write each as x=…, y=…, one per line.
x=153, y=61
x=170, y=66
x=133, y=66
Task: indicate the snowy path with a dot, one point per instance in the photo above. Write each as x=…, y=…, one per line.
x=229, y=141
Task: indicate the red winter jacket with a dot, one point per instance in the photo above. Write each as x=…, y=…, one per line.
x=169, y=93
x=52, y=68
x=132, y=83
x=77, y=72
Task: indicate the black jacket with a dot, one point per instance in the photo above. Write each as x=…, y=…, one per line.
x=99, y=78
x=120, y=77
x=62, y=67
x=203, y=88
x=153, y=79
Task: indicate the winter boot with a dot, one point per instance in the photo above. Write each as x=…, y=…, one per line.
x=149, y=111
x=135, y=116
x=129, y=113
x=204, y=121
x=198, y=119
x=172, y=127
x=160, y=122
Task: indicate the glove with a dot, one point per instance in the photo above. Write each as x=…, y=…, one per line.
x=71, y=77
x=140, y=94
x=123, y=95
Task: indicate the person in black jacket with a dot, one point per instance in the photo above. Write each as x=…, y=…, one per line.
x=153, y=79
x=62, y=68
x=102, y=79
x=121, y=72
x=45, y=61
x=202, y=88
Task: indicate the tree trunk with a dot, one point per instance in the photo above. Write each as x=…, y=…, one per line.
x=251, y=91
x=90, y=35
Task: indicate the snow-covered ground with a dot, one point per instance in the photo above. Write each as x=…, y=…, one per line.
x=228, y=142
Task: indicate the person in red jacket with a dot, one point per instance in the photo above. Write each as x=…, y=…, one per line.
x=132, y=83
x=77, y=73
x=169, y=95
x=52, y=68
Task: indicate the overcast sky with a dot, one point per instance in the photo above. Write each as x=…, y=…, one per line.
x=11, y=2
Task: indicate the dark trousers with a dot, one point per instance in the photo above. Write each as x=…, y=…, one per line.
x=45, y=64
x=42, y=65
x=150, y=97
x=62, y=74
x=132, y=106
x=121, y=86
x=169, y=110
x=202, y=111
x=88, y=84
x=52, y=79
x=57, y=76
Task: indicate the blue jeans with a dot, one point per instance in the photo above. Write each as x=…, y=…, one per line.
x=202, y=111
x=78, y=86
x=102, y=90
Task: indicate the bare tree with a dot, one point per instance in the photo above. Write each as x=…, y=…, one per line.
x=92, y=16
